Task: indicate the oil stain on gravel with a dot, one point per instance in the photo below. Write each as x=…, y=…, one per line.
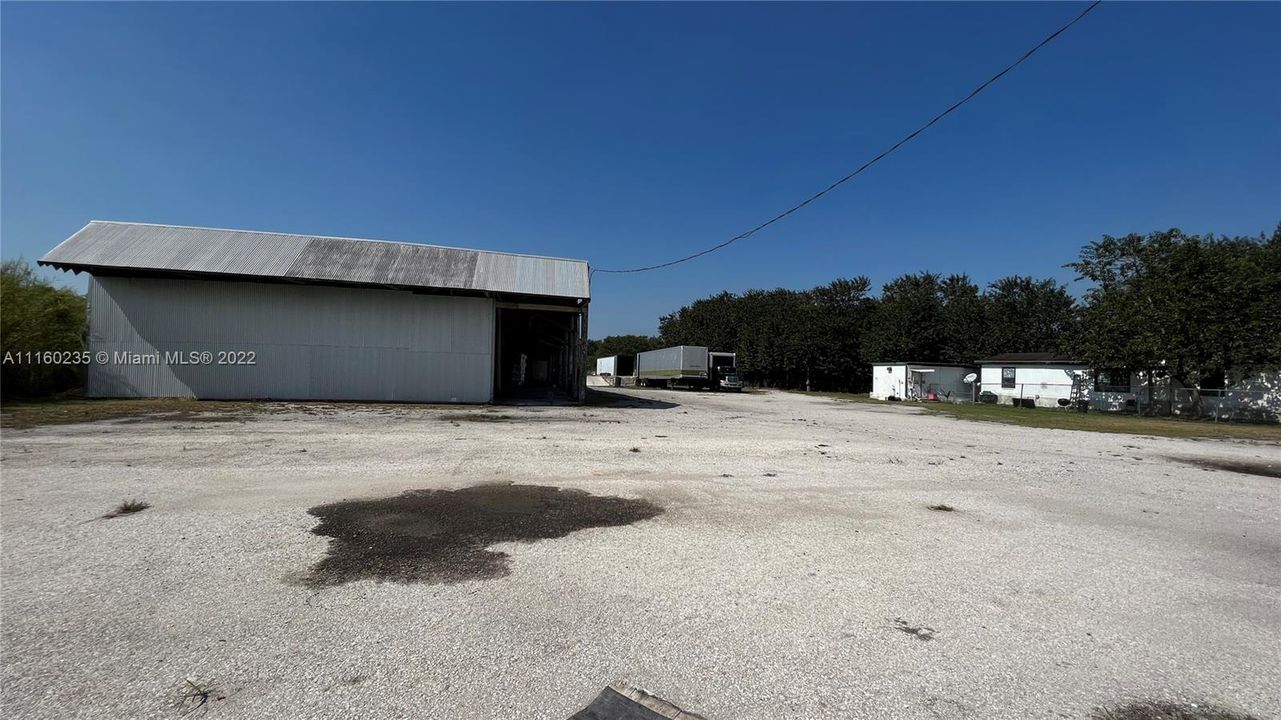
x=441, y=536
x=1245, y=467
x=1161, y=710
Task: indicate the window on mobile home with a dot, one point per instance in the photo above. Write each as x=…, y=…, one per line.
x=1007, y=377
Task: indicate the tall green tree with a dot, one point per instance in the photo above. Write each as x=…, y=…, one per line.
x=908, y=323
x=783, y=338
x=1027, y=315
x=620, y=345
x=964, y=321
x=37, y=316
x=1197, y=307
x=842, y=312
x=774, y=335
x=712, y=322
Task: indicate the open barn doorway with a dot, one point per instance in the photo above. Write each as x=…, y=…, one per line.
x=539, y=353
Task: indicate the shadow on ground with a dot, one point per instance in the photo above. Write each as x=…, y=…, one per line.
x=441, y=536
x=606, y=398
x=1244, y=467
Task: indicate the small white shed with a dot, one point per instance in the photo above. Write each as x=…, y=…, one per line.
x=916, y=381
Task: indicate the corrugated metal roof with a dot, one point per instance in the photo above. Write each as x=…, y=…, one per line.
x=1037, y=358
x=139, y=246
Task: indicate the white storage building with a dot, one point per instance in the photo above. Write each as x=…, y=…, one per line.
x=915, y=381
x=231, y=314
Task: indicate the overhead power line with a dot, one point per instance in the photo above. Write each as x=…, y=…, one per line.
x=742, y=236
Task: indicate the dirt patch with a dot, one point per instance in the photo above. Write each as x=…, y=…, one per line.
x=1160, y=710
x=189, y=417
x=22, y=415
x=920, y=633
x=441, y=536
x=477, y=417
x=1245, y=467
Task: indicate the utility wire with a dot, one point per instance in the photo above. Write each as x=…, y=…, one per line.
x=869, y=163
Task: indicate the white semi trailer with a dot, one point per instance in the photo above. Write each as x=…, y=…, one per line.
x=684, y=365
x=615, y=367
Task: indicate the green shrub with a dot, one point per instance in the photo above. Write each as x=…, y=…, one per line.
x=37, y=316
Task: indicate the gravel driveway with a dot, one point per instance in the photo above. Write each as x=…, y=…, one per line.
x=795, y=570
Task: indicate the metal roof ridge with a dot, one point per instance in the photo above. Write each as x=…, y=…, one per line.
x=334, y=237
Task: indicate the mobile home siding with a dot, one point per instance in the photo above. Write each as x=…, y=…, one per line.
x=1044, y=384
x=309, y=342
x=888, y=381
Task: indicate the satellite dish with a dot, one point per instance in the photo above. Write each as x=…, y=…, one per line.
x=971, y=377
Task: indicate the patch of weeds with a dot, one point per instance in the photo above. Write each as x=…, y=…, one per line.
x=194, y=695
x=922, y=633
x=895, y=461
x=1164, y=710
x=128, y=507
x=770, y=475
x=477, y=417
x=635, y=449
x=941, y=508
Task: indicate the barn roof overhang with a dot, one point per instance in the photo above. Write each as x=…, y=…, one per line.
x=167, y=251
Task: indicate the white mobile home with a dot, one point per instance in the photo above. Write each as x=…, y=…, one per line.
x=920, y=381
x=233, y=314
x=1039, y=379
x=1252, y=395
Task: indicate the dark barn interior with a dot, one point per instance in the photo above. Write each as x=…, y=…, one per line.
x=539, y=353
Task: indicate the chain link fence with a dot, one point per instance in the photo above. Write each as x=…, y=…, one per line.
x=1048, y=395
x=1230, y=404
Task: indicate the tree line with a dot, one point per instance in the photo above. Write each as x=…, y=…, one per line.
x=34, y=316
x=1201, y=308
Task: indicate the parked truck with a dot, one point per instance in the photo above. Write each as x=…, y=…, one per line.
x=687, y=366
x=722, y=371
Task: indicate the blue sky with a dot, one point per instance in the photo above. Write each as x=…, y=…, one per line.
x=631, y=133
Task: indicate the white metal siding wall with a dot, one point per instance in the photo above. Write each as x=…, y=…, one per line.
x=1043, y=383
x=888, y=380
x=311, y=343
x=948, y=382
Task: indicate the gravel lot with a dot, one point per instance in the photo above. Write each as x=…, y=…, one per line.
x=796, y=570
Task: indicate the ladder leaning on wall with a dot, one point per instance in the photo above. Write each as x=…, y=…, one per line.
x=1080, y=395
